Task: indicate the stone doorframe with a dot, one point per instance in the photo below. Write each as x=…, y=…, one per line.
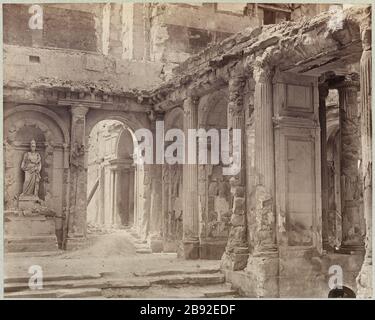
x=83, y=121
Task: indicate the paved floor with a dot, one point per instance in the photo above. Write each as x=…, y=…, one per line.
x=113, y=253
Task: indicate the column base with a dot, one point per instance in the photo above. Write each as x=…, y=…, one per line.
x=364, y=281
x=156, y=245
x=264, y=268
x=170, y=246
x=189, y=250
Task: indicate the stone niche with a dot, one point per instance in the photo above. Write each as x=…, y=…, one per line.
x=215, y=201
x=33, y=222
x=216, y=217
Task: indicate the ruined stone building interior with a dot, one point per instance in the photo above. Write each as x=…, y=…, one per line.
x=294, y=78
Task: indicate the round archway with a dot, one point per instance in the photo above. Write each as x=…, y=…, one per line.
x=112, y=186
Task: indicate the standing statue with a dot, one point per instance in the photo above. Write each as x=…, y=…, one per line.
x=31, y=165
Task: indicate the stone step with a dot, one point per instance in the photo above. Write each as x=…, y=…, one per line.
x=183, y=292
x=31, y=244
x=217, y=291
x=75, y=282
x=57, y=277
x=143, y=250
x=63, y=293
x=196, y=279
x=32, y=254
x=223, y=293
x=139, y=242
x=177, y=272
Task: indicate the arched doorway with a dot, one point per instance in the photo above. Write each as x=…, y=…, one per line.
x=113, y=190
x=215, y=198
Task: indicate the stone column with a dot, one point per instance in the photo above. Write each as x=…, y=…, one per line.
x=113, y=194
x=352, y=233
x=165, y=205
x=102, y=195
x=139, y=198
x=146, y=206
x=237, y=252
x=263, y=261
x=155, y=225
x=116, y=196
x=131, y=204
x=265, y=164
x=323, y=93
x=364, y=279
x=156, y=242
x=78, y=173
x=190, y=241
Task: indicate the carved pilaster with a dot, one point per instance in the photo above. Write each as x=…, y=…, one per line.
x=265, y=238
x=155, y=170
x=156, y=216
x=352, y=220
x=323, y=93
x=190, y=187
x=165, y=201
x=146, y=205
x=364, y=279
x=236, y=251
x=78, y=183
x=263, y=260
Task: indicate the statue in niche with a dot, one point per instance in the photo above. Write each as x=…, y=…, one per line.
x=31, y=165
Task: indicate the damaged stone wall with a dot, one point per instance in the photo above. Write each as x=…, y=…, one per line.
x=288, y=222
x=79, y=28
x=180, y=30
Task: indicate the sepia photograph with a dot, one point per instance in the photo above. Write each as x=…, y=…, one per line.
x=159, y=150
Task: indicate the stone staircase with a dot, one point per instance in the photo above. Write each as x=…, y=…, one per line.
x=141, y=246
x=195, y=283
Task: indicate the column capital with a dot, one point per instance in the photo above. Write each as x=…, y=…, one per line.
x=365, y=29
x=191, y=99
x=262, y=73
x=366, y=39
x=351, y=82
x=237, y=80
x=190, y=103
x=79, y=110
x=236, y=85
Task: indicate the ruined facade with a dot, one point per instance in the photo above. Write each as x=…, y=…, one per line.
x=296, y=81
